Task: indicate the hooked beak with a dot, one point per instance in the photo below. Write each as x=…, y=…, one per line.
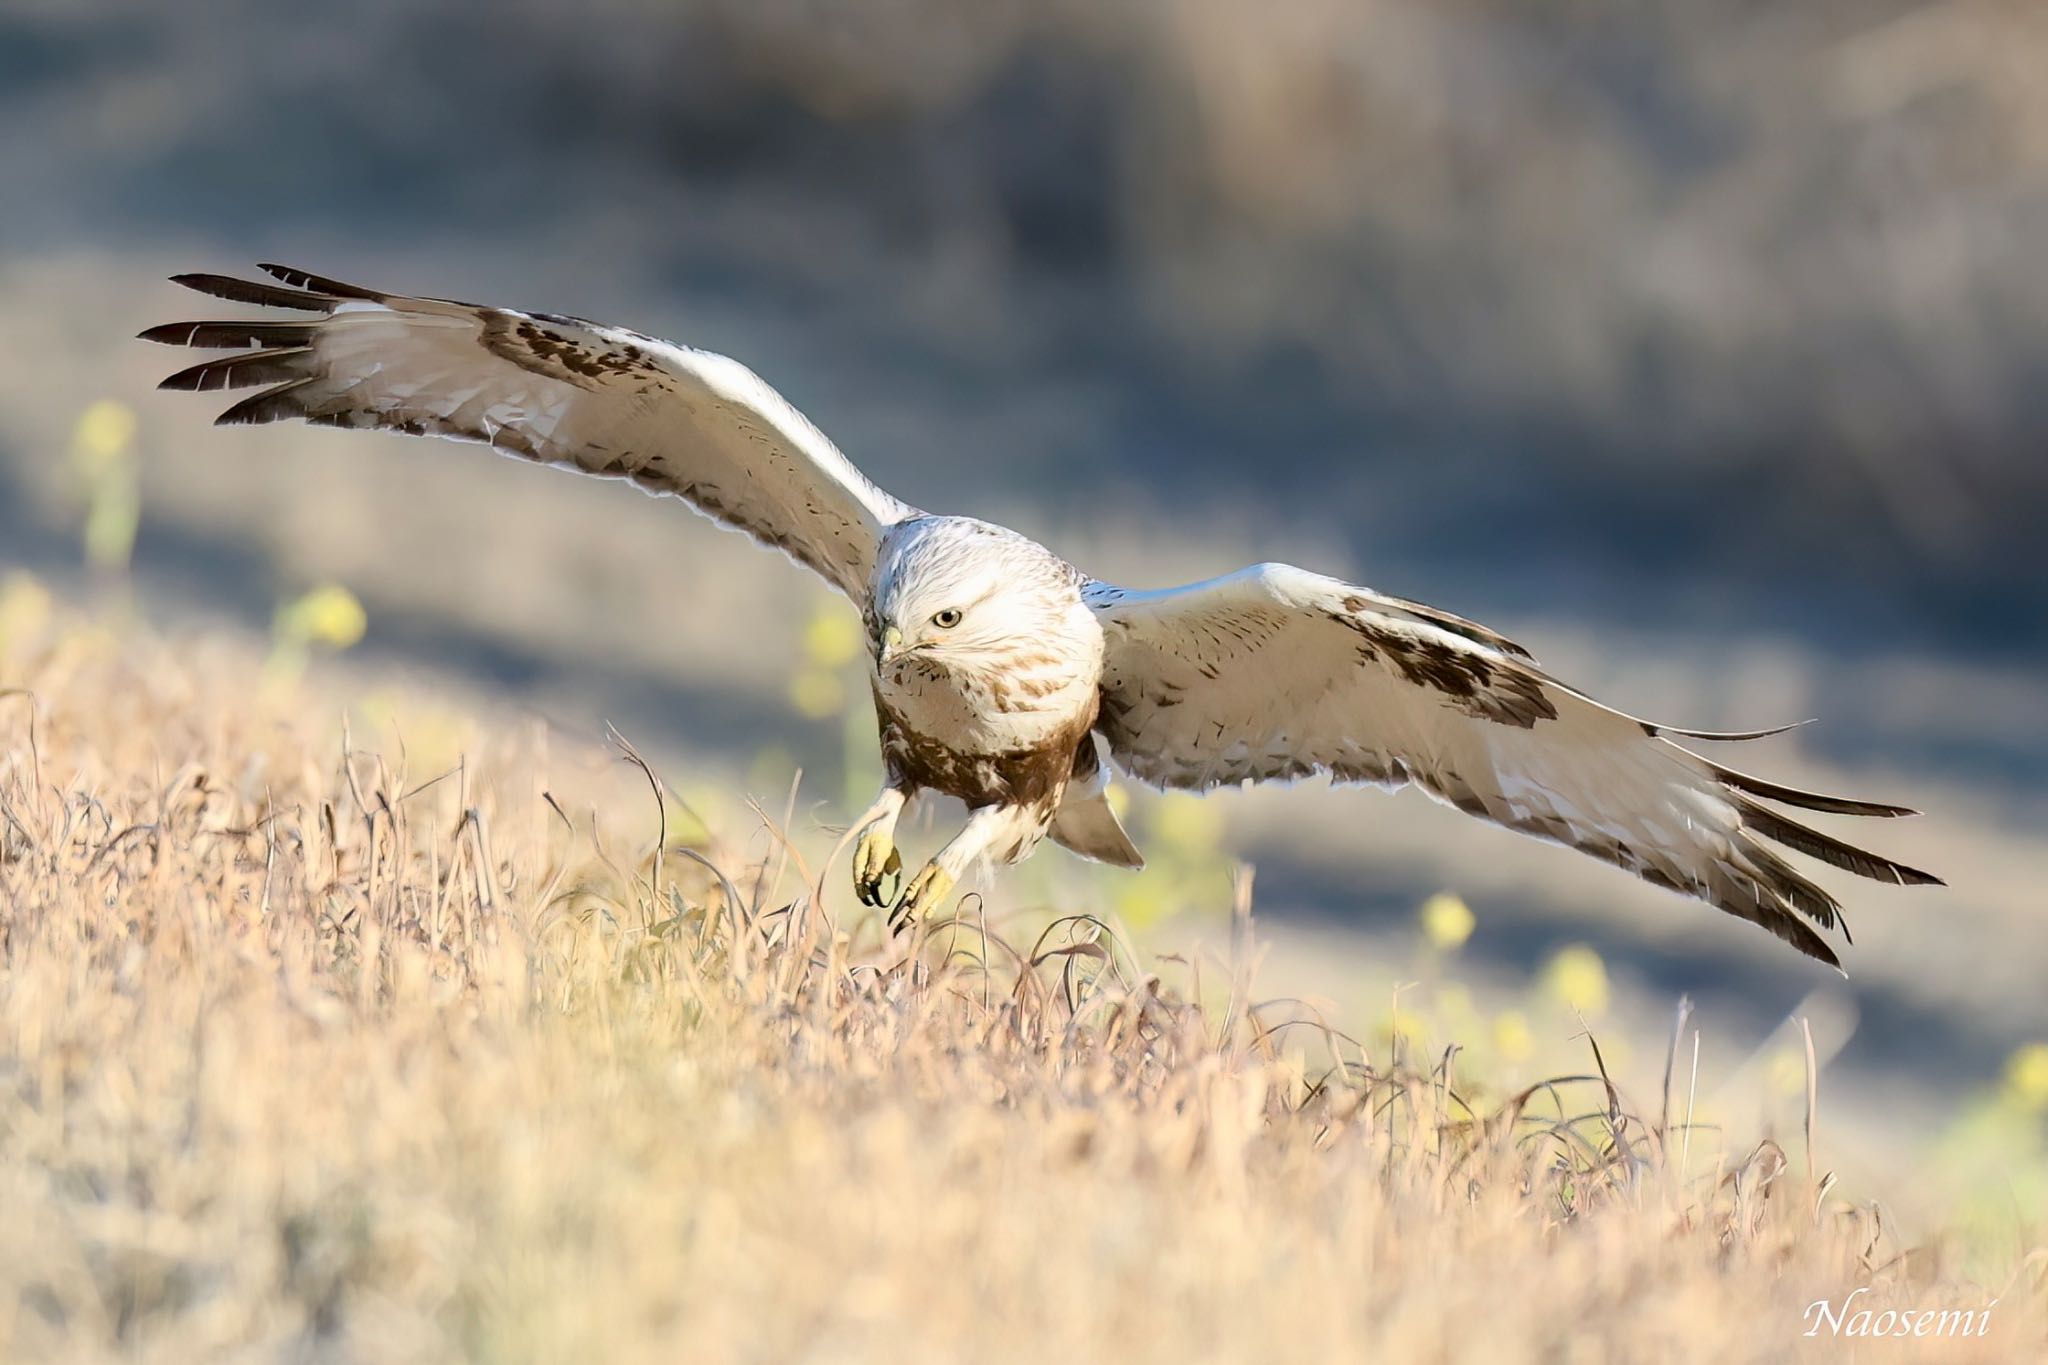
x=892, y=646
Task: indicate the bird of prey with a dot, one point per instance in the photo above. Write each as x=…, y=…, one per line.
x=1002, y=674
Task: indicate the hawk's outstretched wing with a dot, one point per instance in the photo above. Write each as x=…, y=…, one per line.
x=556, y=390
x=1276, y=672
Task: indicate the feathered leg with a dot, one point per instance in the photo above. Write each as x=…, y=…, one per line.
x=999, y=830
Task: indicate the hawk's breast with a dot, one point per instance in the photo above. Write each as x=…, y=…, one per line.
x=974, y=742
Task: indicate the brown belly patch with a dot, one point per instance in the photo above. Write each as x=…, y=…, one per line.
x=1034, y=776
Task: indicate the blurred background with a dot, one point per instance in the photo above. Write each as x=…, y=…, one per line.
x=1701, y=347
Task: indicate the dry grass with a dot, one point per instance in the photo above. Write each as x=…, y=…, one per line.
x=303, y=1059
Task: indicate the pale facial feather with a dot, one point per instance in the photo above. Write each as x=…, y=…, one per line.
x=1017, y=603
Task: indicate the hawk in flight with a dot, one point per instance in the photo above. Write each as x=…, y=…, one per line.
x=1005, y=676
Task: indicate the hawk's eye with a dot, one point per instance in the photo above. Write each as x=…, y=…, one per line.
x=947, y=619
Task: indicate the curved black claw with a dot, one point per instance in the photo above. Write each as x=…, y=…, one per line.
x=927, y=889
x=872, y=868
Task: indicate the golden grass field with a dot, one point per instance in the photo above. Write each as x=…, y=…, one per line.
x=307, y=1055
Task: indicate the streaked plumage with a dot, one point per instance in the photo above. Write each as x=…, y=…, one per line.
x=1002, y=674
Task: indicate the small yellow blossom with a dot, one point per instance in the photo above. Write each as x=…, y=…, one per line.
x=2026, y=1076
x=104, y=432
x=816, y=693
x=24, y=607
x=1577, y=979
x=328, y=615
x=1187, y=824
x=1142, y=902
x=1447, y=922
x=1400, y=1028
x=832, y=639
x=105, y=465
x=1511, y=1035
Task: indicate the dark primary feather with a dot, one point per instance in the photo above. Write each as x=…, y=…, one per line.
x=272, y=405
x=1724, y=736
x=1806, y=800
x=258, y=292
x=1826, y=847
x=226, y=335
x=280, y=366
x=321, y=284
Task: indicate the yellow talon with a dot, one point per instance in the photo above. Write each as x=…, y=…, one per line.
x=927, y=889
x=875, y=860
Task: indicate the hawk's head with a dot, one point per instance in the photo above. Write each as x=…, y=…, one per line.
x=962, y=595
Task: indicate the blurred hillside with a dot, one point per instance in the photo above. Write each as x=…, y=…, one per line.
x=1762, y=279
x=1699, y=345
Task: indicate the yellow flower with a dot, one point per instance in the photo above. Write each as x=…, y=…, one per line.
x=103, y=432
x=24, y=607
x=2026, y=1076
x=1400, y=1027
x=1187, y=824
x=106, y=467
x=1142, y=902
x=816, y=693
x=1446, y=922
x=832, y=638
x=1577, y=979
x=1511, y=1035
x=329, y=615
